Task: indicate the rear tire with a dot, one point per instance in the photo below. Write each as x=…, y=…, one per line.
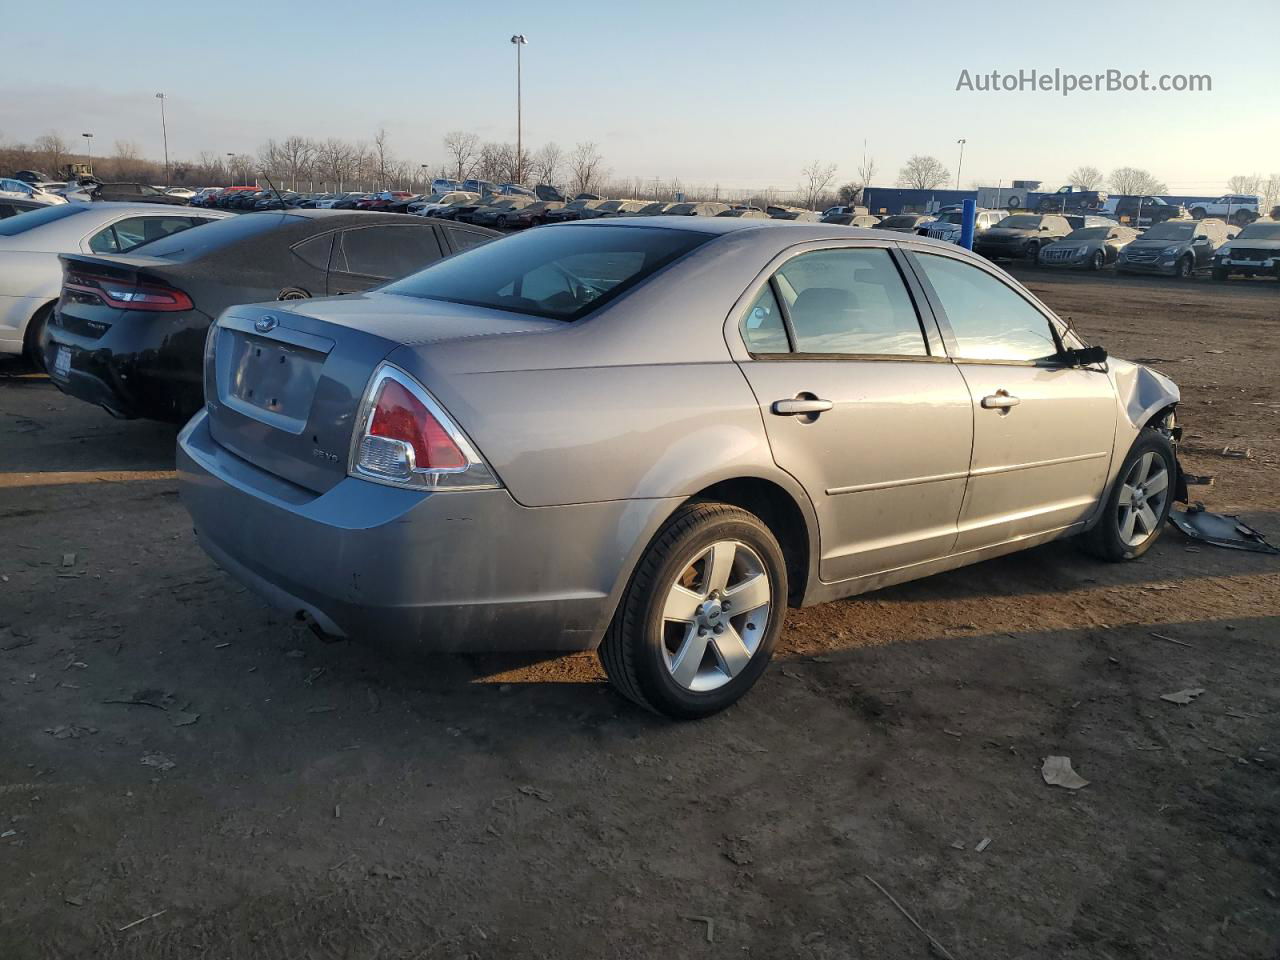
x=31, y=348
x=293, y=293
x=1199, y=213
x=672, y=647
x=1143, y=489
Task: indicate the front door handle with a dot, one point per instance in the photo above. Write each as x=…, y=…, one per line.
x=799, y=407
x=1000, y=400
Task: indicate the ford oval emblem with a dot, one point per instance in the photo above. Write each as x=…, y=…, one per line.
x=265, y=324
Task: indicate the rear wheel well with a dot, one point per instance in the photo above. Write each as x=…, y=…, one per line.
x=31, y=335
x=780, y=513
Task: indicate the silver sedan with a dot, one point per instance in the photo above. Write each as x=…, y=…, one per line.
x=651, y=436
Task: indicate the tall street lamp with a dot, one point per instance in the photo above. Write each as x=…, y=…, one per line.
x=165, y=133
x=959, y=165
x=88, y=150
x=231, y=173
x=519, y=41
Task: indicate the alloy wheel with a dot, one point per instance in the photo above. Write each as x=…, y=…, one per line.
x=715, y=616
x=1142, y=499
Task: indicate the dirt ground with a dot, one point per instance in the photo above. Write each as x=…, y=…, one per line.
x=267, y=795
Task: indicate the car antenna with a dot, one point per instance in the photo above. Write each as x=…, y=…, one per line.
x=274, y=190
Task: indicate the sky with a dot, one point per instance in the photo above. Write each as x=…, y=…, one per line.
x=742, y=94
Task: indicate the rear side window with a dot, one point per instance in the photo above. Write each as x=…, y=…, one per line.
x=466, y=239
x=125, y=235
x=388, y=252
x=315, y=252
x=850, y=302
x=990, y=320
x=762, y=328
x=563, y=274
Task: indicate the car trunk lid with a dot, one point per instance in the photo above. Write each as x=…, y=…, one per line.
x=283, y=386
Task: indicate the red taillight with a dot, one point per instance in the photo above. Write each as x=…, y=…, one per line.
x=129, y=295
x=399, y=415
x=406, y=438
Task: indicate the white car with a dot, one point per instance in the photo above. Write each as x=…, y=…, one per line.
x=949, y=225
x=1233, y=207
x=443, y=201
x=31, y=274
x=183, y=192
x=21, y=190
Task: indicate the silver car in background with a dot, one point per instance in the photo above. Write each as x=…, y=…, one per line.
x=649, y=436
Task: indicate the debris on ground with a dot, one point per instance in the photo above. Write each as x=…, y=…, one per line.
x=1182, y=696
x=1181, y=643
x=711, y=927
x=1220, y=530
x=385, y=873
x=158, y=760
x=530, y=791
x=933, y=941
x=182, y=719
x=986, y=842
x=69, y=731
x=68, y=559
x=158, y=913
x=1057, y=772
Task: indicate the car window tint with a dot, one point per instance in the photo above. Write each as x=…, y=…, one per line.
x=315, y=252
x=466, y=239
x=389, y=252
x=104, y=241
x=989, y=319
x=595, y=264
x=135, y=231
x=762, y=328
x=850, y=302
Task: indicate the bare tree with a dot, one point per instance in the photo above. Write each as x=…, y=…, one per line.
x=923, y=173
x=849, y=193
x=866, y=172
x=1132, y=181
x=52, y=150
x=462, y=148
x=1270, y=193
x=1086, y=178
x=1247, y=184
x=382, y=161
x=586, y=167
x=815, y=178
x=297, y=156
x=546, y=162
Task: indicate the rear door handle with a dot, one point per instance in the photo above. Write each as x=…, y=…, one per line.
x=1000, y=400
x=797, y=407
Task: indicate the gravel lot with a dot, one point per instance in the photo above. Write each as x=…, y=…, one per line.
x=184, y=774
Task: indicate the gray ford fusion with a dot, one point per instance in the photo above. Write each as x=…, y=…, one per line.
x=650, y=436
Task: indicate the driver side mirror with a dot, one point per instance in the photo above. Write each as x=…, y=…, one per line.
x=1085, y=356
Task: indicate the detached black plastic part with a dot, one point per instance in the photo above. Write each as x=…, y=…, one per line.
x=1220, y=530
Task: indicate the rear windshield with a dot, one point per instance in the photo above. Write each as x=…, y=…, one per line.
x=1170, y=231
x=38, y=218
x=221, y=233
x=1020, y=222
x=562, y=273
x=1260, y=231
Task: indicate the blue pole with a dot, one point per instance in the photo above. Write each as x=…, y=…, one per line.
x=969, y=218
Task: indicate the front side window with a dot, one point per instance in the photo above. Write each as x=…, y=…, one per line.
x=850, y=302
x=988, y=318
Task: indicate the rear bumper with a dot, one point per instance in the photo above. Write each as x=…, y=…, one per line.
x=459, y=571
x=144, y=365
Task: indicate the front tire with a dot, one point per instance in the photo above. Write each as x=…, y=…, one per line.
x=1186, y=268
x=1138, y=503
x=699, y=620
x=1099, y=260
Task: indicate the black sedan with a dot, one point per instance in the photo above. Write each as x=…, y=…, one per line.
x=128, y=332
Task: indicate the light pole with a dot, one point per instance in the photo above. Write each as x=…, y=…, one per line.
x=960, y=165
x=231, y=173
x=88, y=151
x=165, y=133
x=423, y=168
x=519, y=41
